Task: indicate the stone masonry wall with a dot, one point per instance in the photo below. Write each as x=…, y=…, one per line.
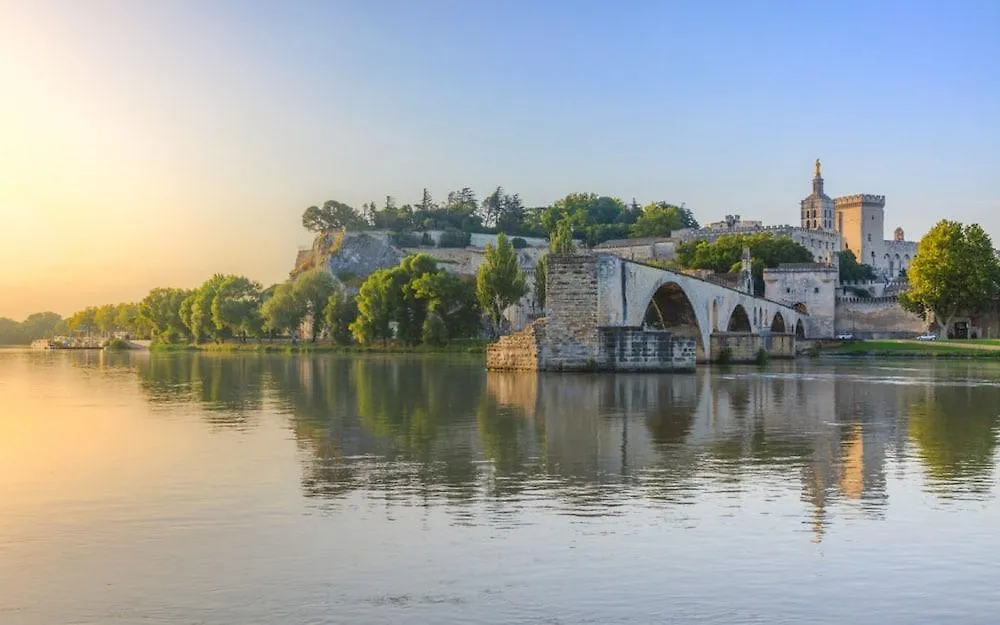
x=519, y=351
x=635, y=349
x=743, y=347
x=571, y=297
x=881, y=318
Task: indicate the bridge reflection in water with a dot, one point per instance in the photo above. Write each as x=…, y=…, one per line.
x=415, y=430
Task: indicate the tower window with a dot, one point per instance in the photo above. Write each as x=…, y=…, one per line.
x=869, y=237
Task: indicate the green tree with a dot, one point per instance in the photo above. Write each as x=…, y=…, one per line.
x=511, y=218
x=283, y=311
x=404, y=295
x=105, y=318
x=331, y=216
x=377, y=301
x=313, y=289
x=499, y=281
x=955, y=270
x=853, y=271
x=561, y=239
x=340, y=312
x=725, y=254
x=593, y=218
x=452, y=299
x=39, y=326
x=11, y=332
x=660, y=219
x=236, y=307
x=541, y=276
x=492, y=206
x=434, y=330
x=160, y=311
x=202, y=325
x=127, y=319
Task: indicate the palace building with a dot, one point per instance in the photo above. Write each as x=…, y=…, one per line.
x=860, y=221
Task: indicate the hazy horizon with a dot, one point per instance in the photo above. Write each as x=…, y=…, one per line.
x=156, y=143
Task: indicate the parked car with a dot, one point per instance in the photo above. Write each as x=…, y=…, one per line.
x=846, y=336
x=927, y=337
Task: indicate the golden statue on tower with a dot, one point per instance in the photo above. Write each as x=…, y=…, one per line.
x=817, y=168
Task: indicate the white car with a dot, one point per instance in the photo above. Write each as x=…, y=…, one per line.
x=846, y=336
x=927, y=337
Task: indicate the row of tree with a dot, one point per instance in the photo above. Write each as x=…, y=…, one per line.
x=594, y=218
x=415, y=302
x=37, y=326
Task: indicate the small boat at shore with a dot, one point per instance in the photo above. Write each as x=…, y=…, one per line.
x=62, y=342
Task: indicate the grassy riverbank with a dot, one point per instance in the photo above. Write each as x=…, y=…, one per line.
x=981, y=348
x=264, y=347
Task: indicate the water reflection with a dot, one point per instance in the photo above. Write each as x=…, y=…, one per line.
x=443, y=430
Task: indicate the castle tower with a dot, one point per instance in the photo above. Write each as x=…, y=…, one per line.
x=818, y=208
x=861, y=224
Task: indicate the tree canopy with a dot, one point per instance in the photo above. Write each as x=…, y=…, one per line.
x=725, y=254
x=955, y=270
x=660, y=219
x=853, y=271
x=499, y=281
x=396, y=303
x=331, y=216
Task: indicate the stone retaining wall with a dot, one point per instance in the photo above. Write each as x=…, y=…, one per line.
x=520, y=351
x=877, y=319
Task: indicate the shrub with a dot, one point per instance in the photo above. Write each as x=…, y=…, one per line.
x=762, y=356
x=518, y=243
x=427, y=240
x=116, y=344
x=725, y=356
x=452, y=237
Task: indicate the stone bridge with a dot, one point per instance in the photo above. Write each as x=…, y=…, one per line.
x=608, y=313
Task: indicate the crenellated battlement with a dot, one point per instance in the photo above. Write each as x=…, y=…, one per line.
x=861, y=198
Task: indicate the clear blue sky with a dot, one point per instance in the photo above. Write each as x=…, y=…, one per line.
x=193, y=134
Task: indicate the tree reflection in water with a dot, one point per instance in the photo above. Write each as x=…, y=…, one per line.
x=421, y=429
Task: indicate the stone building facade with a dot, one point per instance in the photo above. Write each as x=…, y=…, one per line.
x=809, y=288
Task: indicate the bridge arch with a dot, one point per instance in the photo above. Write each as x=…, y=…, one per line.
x=670, y=309
x=739, y=321
x=800, y=330
x=778, y=324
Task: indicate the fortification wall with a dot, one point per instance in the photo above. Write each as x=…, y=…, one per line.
x=880, y=317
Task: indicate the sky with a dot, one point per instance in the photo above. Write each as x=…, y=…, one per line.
x=155, y=143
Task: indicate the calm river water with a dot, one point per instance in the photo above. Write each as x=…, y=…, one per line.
x=182, y=489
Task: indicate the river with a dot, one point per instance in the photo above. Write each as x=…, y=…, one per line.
x=239, y=489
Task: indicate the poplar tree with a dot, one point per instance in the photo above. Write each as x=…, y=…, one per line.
x=499, y=281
